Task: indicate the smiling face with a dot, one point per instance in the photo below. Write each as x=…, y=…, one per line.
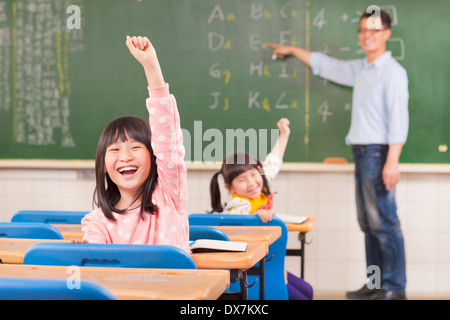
x=125, y=167
x=128, y=165
x=373, y=40
x=248, y=184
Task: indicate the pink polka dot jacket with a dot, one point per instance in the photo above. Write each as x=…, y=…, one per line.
x=170, y=224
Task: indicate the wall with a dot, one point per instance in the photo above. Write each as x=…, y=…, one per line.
x=334, y=258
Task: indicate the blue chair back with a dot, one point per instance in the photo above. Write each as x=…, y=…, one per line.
x=108, y=255
x=206, y=232
x=50, y=217
x=51, y=289
x=29, y=230
x=275, y=284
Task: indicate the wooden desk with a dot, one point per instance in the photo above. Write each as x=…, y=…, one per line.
x=13, y=250
x=239, y=262
x=235, y=233
x=302, y=229
x=134, y=283
x=70, y=231
x=268, y=234
x=232, y=260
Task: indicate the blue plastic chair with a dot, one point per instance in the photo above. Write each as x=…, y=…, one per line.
x=275, y=284
x=29, y=230
x=51, y=289
x=50, y=217
x=206, y=232
x=108, y=255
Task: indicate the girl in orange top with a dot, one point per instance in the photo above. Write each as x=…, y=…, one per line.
x=247, y=179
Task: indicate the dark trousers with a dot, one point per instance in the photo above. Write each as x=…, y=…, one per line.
x=377, y=217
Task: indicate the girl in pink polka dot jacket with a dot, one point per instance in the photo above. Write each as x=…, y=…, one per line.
x=140, y=172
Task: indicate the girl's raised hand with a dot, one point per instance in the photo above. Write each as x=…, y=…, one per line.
x=283, y=125
x=142, y=49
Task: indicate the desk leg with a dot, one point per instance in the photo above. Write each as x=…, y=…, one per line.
x=244, y=285
x=262, y=285
x=260, y=272
x=241, y=275
x=301, y=238
x=299, y=252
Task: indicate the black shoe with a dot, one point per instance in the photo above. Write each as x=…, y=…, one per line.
x=363, y=293
x=387, y=295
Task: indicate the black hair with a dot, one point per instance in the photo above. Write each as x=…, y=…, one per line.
x=106, y=193
x=385, y=18
x=234, y=165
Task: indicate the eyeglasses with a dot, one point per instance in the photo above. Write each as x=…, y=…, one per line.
x=370, y=31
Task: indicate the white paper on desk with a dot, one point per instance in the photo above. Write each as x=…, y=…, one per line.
x=289, y=218
x=207, y=245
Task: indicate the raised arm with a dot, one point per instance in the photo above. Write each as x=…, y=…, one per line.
x=167, y=137
x=280, y=145
x=336, y=70
x=144, y=52
x=272, y=163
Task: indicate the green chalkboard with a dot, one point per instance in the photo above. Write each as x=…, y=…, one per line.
x=61, y=83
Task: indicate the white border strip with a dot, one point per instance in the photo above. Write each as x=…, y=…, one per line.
x=287, y=167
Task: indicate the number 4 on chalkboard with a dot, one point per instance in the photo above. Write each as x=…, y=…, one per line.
x=323, y=110
x=319, y=20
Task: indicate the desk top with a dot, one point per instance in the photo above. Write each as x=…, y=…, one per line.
x=248, y=234
x=134, y=283
x=70, y=231
x=68, y=227
x=306, y=226
x=13, y=250
x=235, y=233
x=256, y=250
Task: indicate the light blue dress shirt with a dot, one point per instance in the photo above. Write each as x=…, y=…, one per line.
x=380, y=96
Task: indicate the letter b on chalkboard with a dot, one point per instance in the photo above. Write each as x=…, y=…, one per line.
x=74, y=21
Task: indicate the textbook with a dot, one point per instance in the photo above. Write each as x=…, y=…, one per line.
x=288, y=218
x=206, y=245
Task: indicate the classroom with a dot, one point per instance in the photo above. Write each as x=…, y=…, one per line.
x=59, y=89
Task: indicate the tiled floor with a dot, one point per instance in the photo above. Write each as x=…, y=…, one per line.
x=338, y=295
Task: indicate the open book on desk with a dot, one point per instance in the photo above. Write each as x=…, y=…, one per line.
x=288, y=218
x=207, y=245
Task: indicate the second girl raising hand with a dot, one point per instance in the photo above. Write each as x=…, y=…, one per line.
x=248, y=179
x=141, y=188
